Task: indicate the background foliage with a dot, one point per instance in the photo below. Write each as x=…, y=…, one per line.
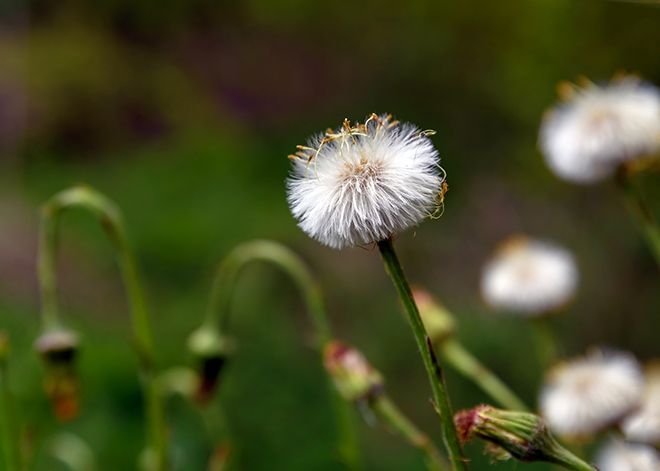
x=184, y=112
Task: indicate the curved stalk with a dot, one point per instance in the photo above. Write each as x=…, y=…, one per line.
x=433, y=369
x=389, y=413
x=640, y=211
x=464, y=362
x=112, y=221
x=218, y=317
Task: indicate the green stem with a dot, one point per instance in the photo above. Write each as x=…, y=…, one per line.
x=433, y=369
x=640, y=212
x=112, y=221
x=218, y=317
x=462, y=360
x=570, y=461
x=546, y=341
x=390, y=414
x=8, y=430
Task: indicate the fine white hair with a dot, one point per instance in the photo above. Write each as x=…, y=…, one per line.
x=617, y=455
x=643, y=425
x=364, y=183
x=585, y=395
x=529, y=277
x=585, y=138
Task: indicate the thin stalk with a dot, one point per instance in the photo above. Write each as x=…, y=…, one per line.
x=570, y=461
x=465, y=363
x=283, y=258
x=390, y=414
x=640, y=211
x=433, y=369
x=112, y=221
x=8, y=430
x=545, y=341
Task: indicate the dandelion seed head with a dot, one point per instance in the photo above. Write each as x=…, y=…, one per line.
x=597, y=128
x=363, y=183
x=585, y=395
x=618, y=455
x=529, y=277
x=643, y=425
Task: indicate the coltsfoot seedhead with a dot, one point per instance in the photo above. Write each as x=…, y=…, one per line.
x=58, y=349
x=529, y=277
x=595, y=129
x=362, y=183
x=585, y=395
x=353, y=375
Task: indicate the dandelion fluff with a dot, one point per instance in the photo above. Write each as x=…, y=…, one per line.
x=643, y=425
x=597, y=128
x=529, y=277
x=364, y=183
x=586, y=395
x=618, y=455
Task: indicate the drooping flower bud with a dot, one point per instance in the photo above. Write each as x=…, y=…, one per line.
x=58, y=349
x=355, y=378
x=210, y=351
x=521, y=435
x=439, y=323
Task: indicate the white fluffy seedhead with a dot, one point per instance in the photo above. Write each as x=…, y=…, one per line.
x=364, y=183
x=529, y=277
x=643, y=425
x=618, y=455
x=587, y=394
x=595, y=129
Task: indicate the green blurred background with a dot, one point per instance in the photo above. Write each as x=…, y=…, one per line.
x=184, y=112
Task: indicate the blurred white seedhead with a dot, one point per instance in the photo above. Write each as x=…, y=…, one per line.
x=597, y=128
x=618, y=455
x=363, y=183
x=529, y=277
x=587, y=394
x=643, y=425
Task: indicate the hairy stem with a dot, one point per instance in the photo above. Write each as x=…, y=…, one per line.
x=112, y=221
x=462, y=360
x=390, y=414
x=433, y=369
x=280, y=256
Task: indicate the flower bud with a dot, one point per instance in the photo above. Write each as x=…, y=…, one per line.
x=210, y=351
x=354, y=377
x=58, y=349
x=521, y=435
x=439, y=323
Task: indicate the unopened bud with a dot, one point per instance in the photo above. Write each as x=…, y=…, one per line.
x=210, y=351
x=438, y=321
x=58, y=349
x=521, y=435
x=353, y=375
